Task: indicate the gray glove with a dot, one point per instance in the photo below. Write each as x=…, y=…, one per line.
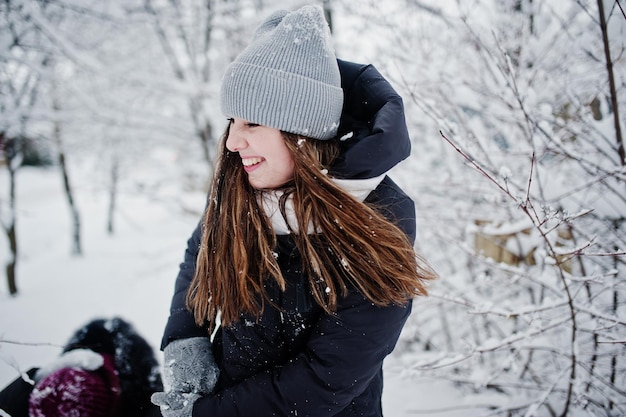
x=189, y=366
x=175, y=404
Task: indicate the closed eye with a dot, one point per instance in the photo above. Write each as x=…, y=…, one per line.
x=231, y=120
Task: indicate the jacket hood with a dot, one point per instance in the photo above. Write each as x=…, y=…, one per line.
x=373, y=130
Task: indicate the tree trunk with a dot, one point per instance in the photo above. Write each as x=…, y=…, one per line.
x=206, y=139
x=12, y=263
x=620, y=147
x=612, y=88
x=10, y=229
x=67, y=187
x=113, y=195
x=69, y=193
x=328, y=14
x=12, y=154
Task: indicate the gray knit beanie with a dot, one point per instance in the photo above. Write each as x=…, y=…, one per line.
x=288, y=77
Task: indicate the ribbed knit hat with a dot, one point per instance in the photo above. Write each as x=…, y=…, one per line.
x=76, y=392
x=288, y=77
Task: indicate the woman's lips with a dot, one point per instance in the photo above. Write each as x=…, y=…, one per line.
x=250, y=164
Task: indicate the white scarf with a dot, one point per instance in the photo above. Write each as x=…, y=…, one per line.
x=359, y=189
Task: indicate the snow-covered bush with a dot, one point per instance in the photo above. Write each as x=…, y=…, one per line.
x=530, y=200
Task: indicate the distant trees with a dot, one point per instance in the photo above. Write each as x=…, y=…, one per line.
x=101, y=83
x=20, y=86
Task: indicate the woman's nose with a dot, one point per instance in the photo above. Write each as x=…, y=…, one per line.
x=236, y=139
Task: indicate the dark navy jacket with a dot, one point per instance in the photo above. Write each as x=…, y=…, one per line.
x=298, y=360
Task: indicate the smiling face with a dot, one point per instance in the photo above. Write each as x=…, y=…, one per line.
x=263, y=152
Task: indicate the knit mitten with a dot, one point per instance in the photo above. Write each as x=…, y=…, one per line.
x=189, y=366
x=175, y=404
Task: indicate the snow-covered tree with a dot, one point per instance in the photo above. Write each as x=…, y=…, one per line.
x=531, y=245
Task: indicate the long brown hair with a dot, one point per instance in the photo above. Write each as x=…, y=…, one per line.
x=353, y=242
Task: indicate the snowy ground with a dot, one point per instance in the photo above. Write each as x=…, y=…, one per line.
x=130, y=274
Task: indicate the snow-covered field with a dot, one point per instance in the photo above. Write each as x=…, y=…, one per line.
x=130, y=273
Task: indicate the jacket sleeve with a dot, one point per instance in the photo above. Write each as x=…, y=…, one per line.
x=14, y=397
x=343, y=355
x=181, y=324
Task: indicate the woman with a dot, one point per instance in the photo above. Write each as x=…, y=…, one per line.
x=305, y=253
